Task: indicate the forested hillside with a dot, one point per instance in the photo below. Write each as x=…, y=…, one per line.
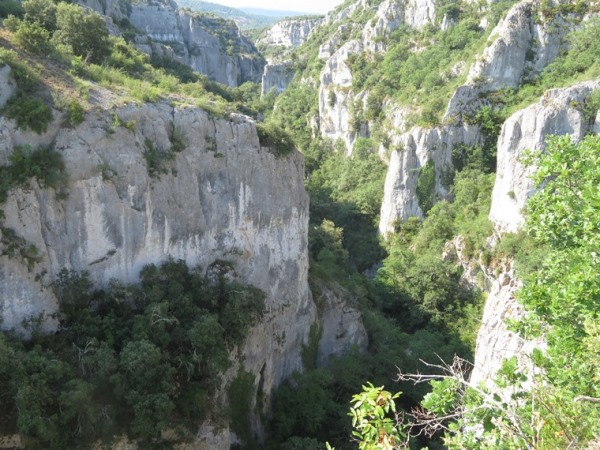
x=166, y=279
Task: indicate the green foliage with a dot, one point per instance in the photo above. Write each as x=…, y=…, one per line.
x=241, y=392
x=426, y=187
x=307, y=404
x=135, y=359
x=156, y=159
x=13, y=245
x=348, y=192
x=44, y=164
x=11, y=7
x=373, y=427
x=293, y=110
x=310, y=350
x=42, y=13
x=75, y=113
x=83, y=31
x=27, y=80
x=34, y=38
x=549, y=401
x=592, y=106
x=30, y=113
x=275, y=138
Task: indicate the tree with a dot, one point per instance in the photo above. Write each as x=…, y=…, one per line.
x=83, y=31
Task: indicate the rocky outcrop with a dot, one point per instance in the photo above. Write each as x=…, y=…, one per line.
x=558, y=112
x=7, y=85
x=223, y=198
x=337, y=101
x=336, y=98
x=340, y=324
x=289, y=32
x=277, y=77
x=210, y=45
x=520, y=47
x=413, y=150
x=115, y=9
x=495, y=342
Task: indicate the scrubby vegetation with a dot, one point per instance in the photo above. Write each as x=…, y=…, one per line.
x=549, y=401
x=44, y=164
x=127, y=359
x=76, y=40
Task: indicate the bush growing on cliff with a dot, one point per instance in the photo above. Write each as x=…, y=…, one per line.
x=44, y=164
x=30, y=113
x=275, y=138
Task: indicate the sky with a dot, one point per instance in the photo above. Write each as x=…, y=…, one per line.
x=315, y=6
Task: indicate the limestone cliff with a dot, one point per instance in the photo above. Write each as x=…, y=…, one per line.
x=558, y=112
x=337, y=101
x=223, y=198
x=277, y=77
x=289, y=32
x=414, y=149
x=209, y=45
x=278, y=42
x=520, y=46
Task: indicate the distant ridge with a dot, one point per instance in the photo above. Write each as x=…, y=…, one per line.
x=274, y=12
x=245, y=18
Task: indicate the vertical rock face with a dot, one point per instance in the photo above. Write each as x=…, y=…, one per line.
x=336, y=98
x=224, y=198
x=277, y=77
x=211, y=46
x=341, y=325
x=414, y=150
x=520, y=47
x=115, y=9
x=289, y=32
x=555, y=113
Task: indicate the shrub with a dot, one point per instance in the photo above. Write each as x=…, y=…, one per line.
x=34, y=38
x=275, y=138
x=45, y=164
x=155, y=159
x=11, y=7
x=75, y=113
x=29, y=112
x=241, y=393
x=42, y=13
x=426, y=187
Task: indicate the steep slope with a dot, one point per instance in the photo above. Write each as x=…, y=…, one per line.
x=208, y=44
x=558, y=112
x=276, y=43
x=152, y=181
